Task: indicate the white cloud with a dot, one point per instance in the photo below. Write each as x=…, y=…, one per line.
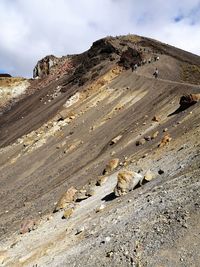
x=31, y=29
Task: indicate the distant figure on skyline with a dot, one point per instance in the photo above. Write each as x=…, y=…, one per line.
x=155, y=74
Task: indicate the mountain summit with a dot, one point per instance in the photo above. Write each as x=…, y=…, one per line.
x=100, y=158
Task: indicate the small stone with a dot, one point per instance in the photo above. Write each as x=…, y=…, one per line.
x=68, y=213
x=99, y=209
x=81, y=195
x=106, y=240
x=27, y=226
x=125, y=163
x=155, y=134
x=165, y=140
x=111, y=165
x=165, y=130
x=140, y=142
x=145, y=155
x=149, y=175
x=160, y=171
x=115, y=140
x=109, y=254
x=101, y=180
x=156, y=119
x=90, y=192
x=80, y=230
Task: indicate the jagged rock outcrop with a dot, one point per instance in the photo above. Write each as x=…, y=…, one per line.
x=130, y=57
x=43, y=67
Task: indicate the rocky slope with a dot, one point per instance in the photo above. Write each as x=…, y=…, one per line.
x=83, y=120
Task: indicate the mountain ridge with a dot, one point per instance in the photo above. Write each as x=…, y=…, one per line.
x=80, y=114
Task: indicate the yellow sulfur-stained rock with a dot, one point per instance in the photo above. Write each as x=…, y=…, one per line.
x=66, y=199
x=111, y=165
x=67, y=213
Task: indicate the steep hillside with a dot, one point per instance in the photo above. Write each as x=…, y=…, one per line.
x=77, y=114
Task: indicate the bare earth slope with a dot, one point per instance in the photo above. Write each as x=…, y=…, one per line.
x=60, y=134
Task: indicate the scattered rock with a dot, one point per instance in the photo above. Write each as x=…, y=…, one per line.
x=80, y=230
x=147, y=138
x=160, y=171
x=106, y=240
x=109, y=254
x=3, y=256
x=154, y=135
x=127, y=181
x=72, y=117
x=68, y=213
x=112, y=153
x=27, y=226
x=165, y=140
x=66, y=199
x=115, y=140
x=90, y=192
x=149, y=176
x=165, y=130
x=111, y=166
x=99, y=209
x=80, y=195
x=140, y=142
x=156, y=119
x=101, y=180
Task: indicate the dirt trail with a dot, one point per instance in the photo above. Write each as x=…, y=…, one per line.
x=48, y=146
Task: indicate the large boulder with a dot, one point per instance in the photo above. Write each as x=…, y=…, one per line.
x=127, y=181
x=189, y=100
x=66, y=199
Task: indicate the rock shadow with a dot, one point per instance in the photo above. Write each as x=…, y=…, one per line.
x=109, y=197
x=178, y=110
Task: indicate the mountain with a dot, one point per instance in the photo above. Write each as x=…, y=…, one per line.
x=80, y=125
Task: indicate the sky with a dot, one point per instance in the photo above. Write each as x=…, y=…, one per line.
x=32, y=29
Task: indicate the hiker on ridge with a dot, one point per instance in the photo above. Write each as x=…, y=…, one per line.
x=155, y=74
